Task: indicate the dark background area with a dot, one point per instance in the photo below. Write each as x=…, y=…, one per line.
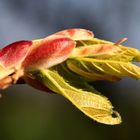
x=28, y=114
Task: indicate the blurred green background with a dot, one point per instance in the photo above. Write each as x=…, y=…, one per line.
x=28, y=114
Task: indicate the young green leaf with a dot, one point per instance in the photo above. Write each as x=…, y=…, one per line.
x=103, y=69
x=101, y=49
x=128, y=54
x=93, y=105
x=74, y=79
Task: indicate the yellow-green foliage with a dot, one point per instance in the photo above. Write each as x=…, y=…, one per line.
x=91, y=60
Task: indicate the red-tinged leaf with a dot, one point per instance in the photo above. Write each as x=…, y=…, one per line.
x=12, y=56
x=49, y=52
x=95, y=50
x=14, y=53
x=76, y=34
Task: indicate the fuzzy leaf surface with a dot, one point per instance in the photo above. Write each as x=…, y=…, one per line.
x=91, y=104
